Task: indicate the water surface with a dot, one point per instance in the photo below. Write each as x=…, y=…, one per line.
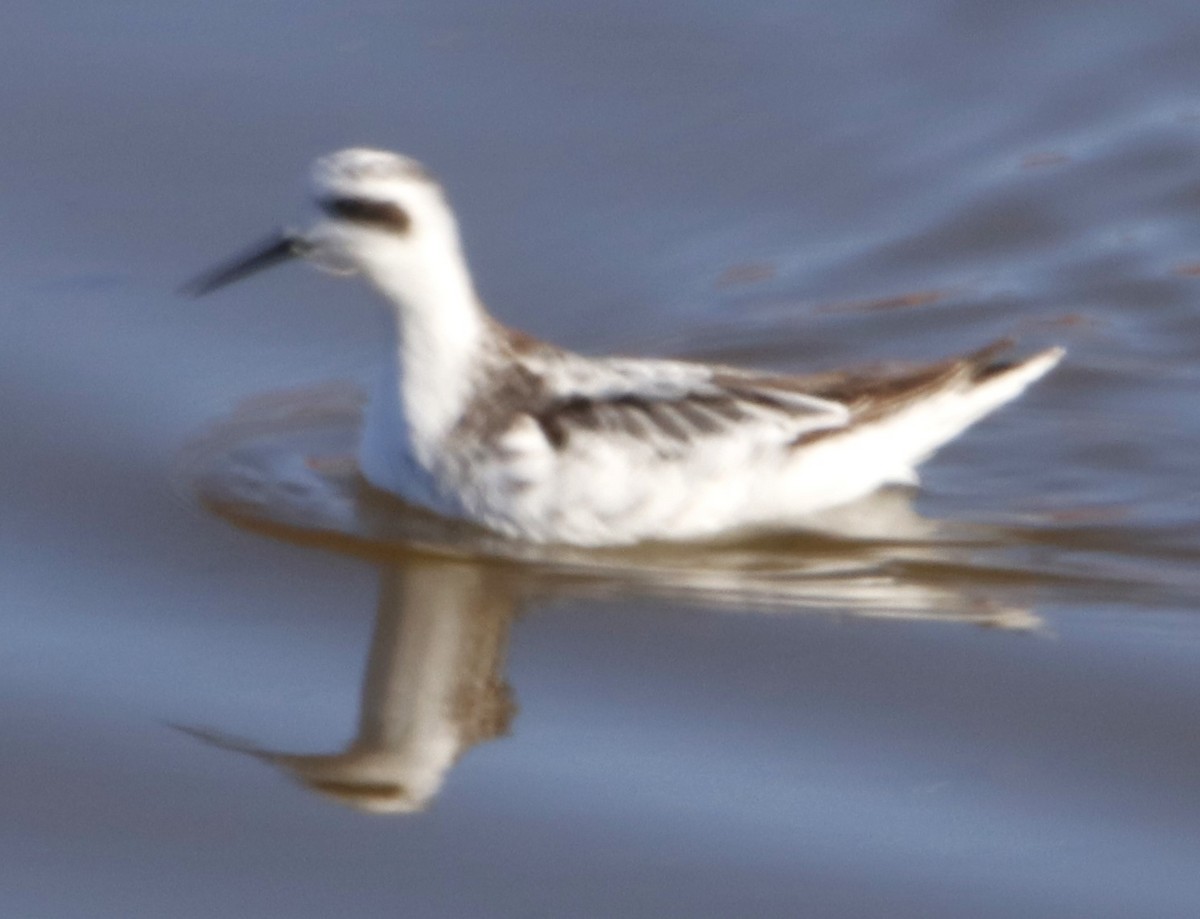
x=995, y=722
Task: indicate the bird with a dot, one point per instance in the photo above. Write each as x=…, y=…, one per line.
x=476, y=421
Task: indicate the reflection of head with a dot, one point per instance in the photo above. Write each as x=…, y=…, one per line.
x=379, y=799
x=386, y=782
x=370, y=781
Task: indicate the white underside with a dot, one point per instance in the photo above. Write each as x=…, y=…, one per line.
x=604, y=490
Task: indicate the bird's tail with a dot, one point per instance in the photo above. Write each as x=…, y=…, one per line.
x=901, y=422
x=915, y=431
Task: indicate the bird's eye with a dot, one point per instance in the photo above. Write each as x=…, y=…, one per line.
x=386, y=215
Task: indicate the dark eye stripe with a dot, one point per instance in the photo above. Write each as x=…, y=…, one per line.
x=382, y=214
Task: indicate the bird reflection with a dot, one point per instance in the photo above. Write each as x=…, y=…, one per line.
x=434, y=682
x=433, y=688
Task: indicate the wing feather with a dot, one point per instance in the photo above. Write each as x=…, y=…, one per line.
x=683, y=403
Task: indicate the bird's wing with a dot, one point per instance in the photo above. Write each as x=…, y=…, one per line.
x=672, y=404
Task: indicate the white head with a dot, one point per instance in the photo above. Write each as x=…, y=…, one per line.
x=383, y=216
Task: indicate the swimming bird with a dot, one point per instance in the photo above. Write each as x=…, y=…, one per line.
x=477, y=421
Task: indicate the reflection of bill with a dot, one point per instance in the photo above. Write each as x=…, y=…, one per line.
x=434, y=683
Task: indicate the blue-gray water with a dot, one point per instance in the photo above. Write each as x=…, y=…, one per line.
x=784, y=185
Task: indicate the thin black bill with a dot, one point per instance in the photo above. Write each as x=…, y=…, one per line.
x=277, y=249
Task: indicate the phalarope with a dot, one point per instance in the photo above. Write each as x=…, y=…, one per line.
x=474, y=420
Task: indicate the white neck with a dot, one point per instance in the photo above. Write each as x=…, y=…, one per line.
x=440, y=327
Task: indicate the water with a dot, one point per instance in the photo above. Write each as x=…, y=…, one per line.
x=995, y=719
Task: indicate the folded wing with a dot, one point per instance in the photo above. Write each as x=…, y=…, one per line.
x=675, y=405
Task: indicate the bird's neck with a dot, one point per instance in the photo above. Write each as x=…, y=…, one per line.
x=440, y=328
